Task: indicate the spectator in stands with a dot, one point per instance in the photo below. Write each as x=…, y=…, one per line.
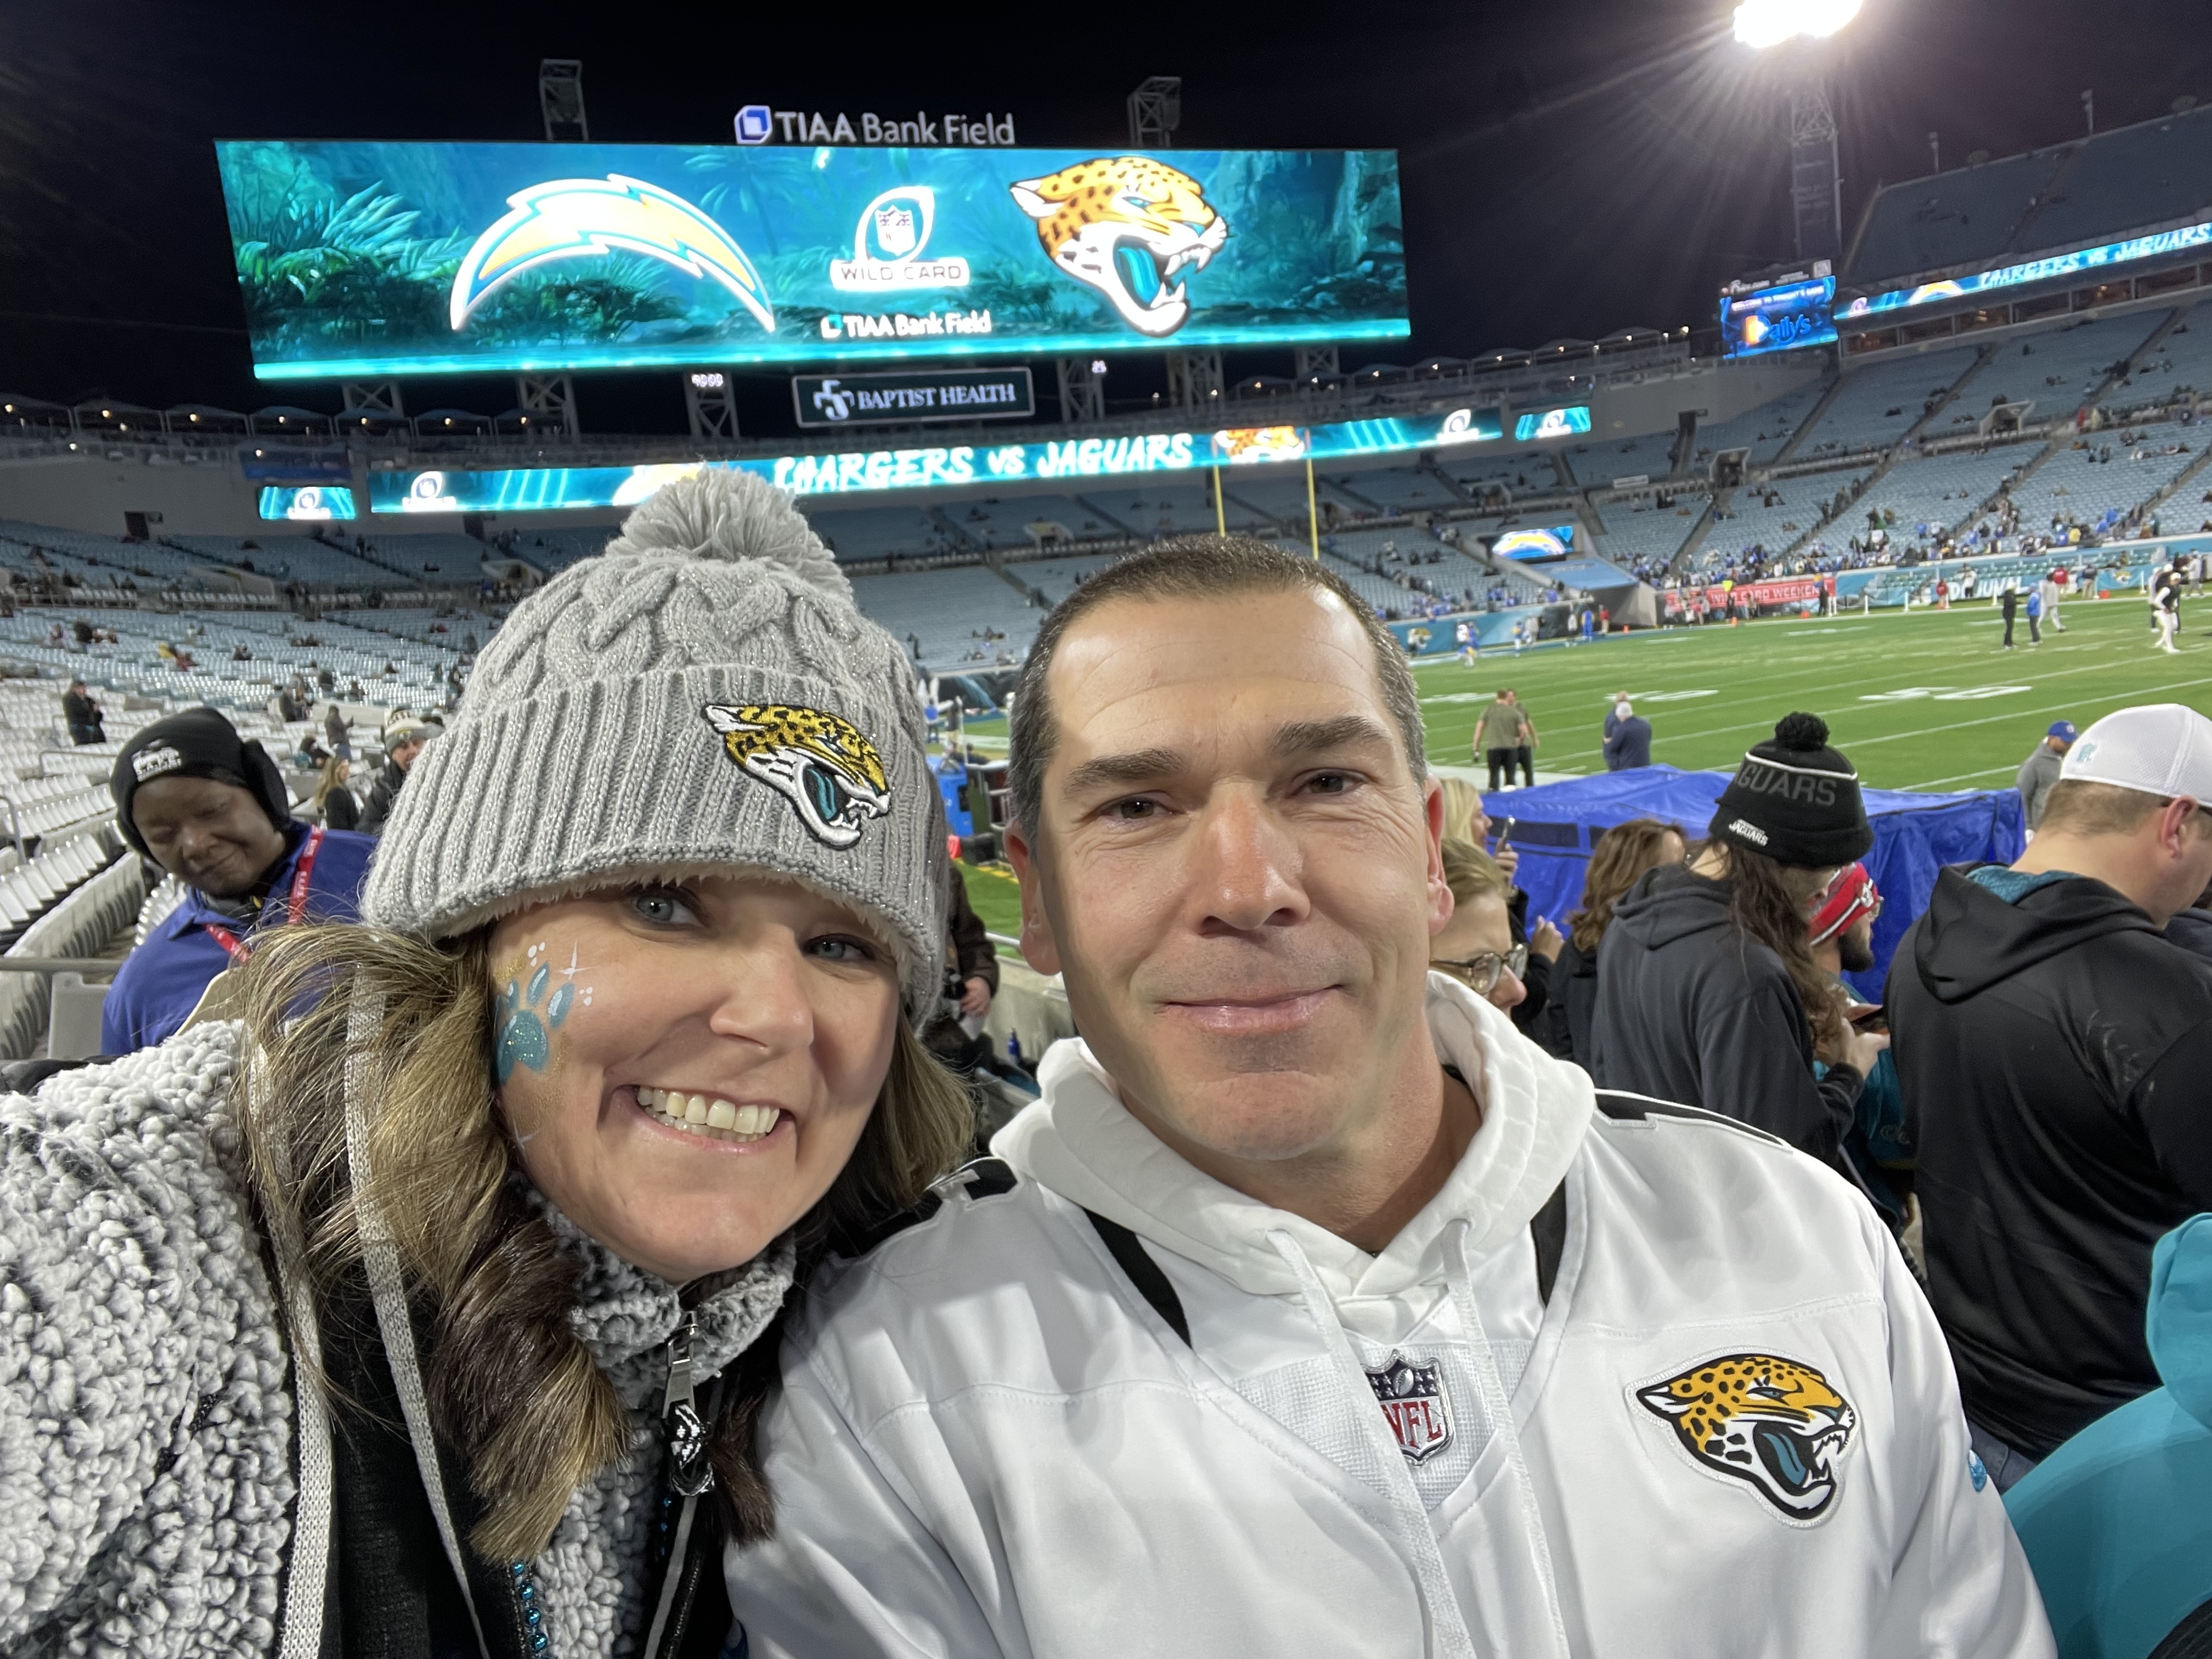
x=211, y=809
x=955, y=1033
x=1629, y=745
x=1498, y=737
x=334, y=802
x=1621, y=857
x=1476, y=947
x=626, y=1078
x=1840, y=931
x=1287, y=1162
x=2053, y=1048
x=2041, y=770
x=339, y=730
x=1707, y=991
x=403, y=745
x=83, y=716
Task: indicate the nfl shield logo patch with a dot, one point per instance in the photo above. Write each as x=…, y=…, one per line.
x=1415, y=1405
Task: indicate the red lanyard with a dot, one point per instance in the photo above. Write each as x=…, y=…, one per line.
x=296, y=909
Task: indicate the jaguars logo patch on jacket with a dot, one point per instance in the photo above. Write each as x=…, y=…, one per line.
x=820, y=763
x=1772, y=1423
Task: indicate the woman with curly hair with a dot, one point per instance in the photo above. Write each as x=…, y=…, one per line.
x=1619, y=858
x=427, y=1306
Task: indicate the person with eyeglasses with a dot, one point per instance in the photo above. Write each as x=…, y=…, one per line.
x=2053, y=1044
x=1476, y=947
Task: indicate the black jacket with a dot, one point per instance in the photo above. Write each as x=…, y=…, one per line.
x=1690, y=1010
x=2191, y=929
x=340, y=809
x=1565, y=1028
x=2055, y=1056
x=383, y=792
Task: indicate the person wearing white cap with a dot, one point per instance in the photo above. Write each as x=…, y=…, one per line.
x=2053, y=1046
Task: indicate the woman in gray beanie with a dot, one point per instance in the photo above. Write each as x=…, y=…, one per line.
x=429, y=1309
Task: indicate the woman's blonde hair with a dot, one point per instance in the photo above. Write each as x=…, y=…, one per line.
x=333, y=777
x=1462, y=806
x=1472, y=873
x=407, y=1025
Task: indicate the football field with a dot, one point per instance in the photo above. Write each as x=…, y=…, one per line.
x=1928, y=700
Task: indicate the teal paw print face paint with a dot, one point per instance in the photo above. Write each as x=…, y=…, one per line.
x=528, y=1015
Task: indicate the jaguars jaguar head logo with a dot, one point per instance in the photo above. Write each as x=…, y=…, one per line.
x=1127, y=226
x=1772, y=1423
x=819, y=762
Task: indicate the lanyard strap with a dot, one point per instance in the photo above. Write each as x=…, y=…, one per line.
x=295, y=908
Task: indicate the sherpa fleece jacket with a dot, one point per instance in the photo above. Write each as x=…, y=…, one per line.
x=150, y=1443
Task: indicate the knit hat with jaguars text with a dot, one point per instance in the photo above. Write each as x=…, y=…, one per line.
x=704, y=696
x=1796, y=799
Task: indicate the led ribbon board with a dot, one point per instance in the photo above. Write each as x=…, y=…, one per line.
x=534, y=489
x=2035, y=271
x=1552, y=423
x=309, y=502
x=358, y=259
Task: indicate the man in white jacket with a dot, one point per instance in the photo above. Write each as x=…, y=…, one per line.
x=1313, y=1311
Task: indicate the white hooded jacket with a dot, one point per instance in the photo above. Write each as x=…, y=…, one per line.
x=1703, y=1412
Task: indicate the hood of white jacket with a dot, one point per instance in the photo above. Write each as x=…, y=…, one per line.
x=1081, y=1142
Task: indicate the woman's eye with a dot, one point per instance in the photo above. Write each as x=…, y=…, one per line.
x=840, y=948
x=663, y=909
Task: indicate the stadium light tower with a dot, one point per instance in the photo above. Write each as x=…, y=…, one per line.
x=1816, y=200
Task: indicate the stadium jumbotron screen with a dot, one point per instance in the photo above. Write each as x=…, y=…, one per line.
x=429, y=258
x=1779, y=319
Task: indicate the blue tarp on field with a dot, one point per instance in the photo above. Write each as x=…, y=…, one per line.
x=1914, y=836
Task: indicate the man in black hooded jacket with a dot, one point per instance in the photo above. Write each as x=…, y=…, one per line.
x=2054, y=1050
x=1692, y=1007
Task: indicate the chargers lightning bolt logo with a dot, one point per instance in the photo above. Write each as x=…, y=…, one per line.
x=563, y=218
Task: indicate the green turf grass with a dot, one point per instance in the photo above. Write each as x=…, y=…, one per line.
x=1925, y=700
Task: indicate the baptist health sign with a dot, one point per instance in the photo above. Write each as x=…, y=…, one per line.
x=952, y=394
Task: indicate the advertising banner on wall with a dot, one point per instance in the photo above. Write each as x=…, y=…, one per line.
x=944, y=394
x=1779, y=319
x=864, y=471
x=358, y=259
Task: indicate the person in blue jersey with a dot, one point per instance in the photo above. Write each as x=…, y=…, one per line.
x=210, y=809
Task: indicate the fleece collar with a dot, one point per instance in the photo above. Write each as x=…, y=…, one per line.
x=1080, y=1141
x=625, y=1315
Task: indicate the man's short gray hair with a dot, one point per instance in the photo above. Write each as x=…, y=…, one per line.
x=1192, y=568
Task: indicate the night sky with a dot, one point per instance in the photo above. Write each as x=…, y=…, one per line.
x=1570, y=168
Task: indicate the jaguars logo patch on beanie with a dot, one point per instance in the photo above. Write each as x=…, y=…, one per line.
x=830, y=774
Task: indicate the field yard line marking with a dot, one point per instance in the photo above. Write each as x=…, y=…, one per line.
x=2117, y=699
x=2099, y=668
x=2122, y=699
x=1986, y=772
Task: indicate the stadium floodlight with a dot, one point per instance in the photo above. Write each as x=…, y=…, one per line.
x=1764, y=23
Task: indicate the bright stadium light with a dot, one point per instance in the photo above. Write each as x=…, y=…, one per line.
x=1770, y=23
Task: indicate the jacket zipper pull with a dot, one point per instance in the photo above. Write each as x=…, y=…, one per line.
x=689, y=1473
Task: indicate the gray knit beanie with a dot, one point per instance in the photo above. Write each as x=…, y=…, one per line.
x=704, y=694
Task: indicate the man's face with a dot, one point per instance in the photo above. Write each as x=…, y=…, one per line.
x=404, y=755
x=1856, y=945
x=1235, y=870
x=213, y=836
